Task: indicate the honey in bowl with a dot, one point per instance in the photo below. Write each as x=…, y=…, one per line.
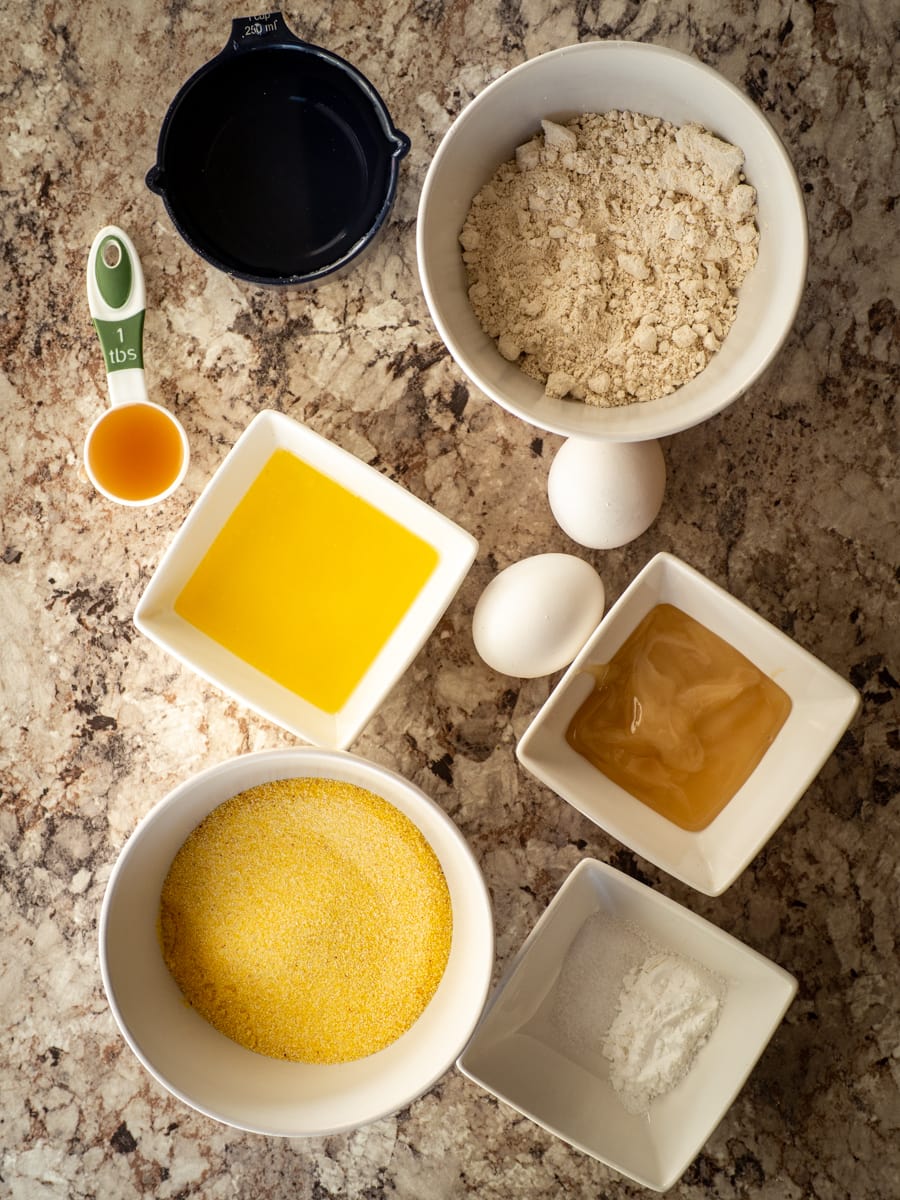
x=306, y=581
x=135, y=452
x=678, y=718
x=307, y=919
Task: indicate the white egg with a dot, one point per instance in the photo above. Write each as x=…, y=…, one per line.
x=605, y=494
x=534, y=617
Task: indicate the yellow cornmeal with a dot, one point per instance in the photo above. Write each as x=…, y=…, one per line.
x=307, y=919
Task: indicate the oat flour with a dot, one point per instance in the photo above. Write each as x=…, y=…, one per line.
x=606, y=257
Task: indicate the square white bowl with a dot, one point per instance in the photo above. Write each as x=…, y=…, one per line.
x=156, y=617
x=823, y=705
x=517, y=1054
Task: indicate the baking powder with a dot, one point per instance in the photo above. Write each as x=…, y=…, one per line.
x=667, y=1009
x=625, y=1005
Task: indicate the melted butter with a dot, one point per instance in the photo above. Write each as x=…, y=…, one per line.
x=306, y=581
x=679, y=718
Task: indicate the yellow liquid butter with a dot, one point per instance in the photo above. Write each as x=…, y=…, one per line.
x=306, y=581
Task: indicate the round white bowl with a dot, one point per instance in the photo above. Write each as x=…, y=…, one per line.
x=599, y=77
x=215, y=1075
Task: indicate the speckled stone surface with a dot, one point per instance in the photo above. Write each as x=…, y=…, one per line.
x=789, y=499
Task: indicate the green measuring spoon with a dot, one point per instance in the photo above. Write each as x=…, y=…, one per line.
x=136, y=452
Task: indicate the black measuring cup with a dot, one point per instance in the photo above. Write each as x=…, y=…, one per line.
x=277, y=160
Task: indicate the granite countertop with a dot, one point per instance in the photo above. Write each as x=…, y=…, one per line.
x=789, y=499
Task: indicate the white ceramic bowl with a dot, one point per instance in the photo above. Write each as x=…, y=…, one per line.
x=215, y=1075
x=598, y=77
x=823, y=705
x=156, y=617
x=518, y=1054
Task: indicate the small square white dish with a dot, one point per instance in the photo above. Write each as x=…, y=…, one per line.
x=518, y=1054
x=823, y=705
x=156, y=617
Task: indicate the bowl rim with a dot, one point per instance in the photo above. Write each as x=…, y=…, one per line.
x=672, y=422
x=479, y=962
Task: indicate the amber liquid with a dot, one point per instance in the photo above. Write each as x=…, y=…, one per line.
x=136, y=452
x=678, y=718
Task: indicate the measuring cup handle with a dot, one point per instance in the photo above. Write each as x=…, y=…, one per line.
x=247, y=32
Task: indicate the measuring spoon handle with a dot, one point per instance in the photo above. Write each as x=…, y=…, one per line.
x=117, y=300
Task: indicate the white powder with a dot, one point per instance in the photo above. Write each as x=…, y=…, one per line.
x=606, y=258
x=667, y=1009
x=587, y=991
x=625, y=1005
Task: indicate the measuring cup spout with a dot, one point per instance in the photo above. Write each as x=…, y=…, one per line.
x=400, y=143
